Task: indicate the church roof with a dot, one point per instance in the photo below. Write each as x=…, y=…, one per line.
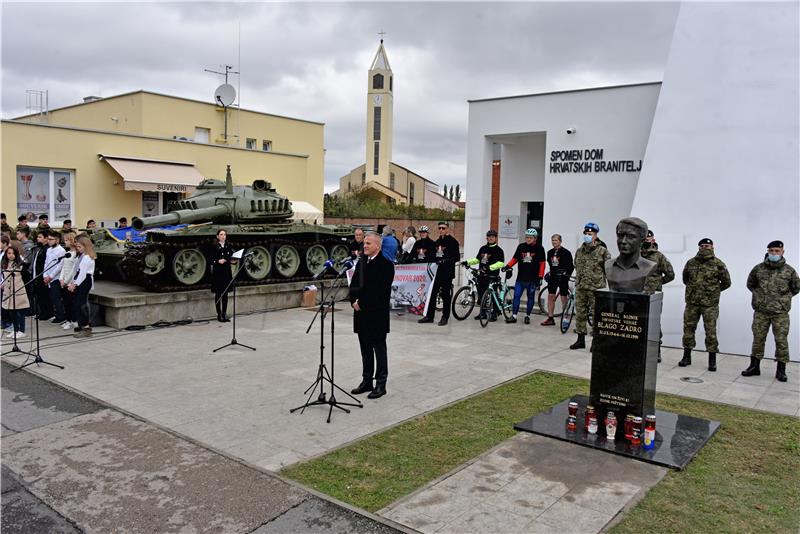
x=380, y=61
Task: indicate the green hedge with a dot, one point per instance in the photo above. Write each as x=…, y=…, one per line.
x=356, y=206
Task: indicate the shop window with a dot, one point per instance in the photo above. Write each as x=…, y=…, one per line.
x=49, y=191
x=266, y=145
x=201, y=135
x=250, y=143
x=377, y=81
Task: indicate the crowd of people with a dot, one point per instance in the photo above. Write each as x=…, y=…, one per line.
x=772, y=282
x=46, y=274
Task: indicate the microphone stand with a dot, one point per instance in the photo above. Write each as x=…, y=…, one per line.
x=233, y=283
x=322, y=371
x=37, y=356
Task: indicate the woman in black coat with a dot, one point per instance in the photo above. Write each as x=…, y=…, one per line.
x=221, y=275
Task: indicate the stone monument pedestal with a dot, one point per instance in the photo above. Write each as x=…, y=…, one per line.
x=625, y=353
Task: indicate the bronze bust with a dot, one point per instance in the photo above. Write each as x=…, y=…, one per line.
x=628, y=271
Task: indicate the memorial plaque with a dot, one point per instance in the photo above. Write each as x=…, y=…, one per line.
x=625, y=353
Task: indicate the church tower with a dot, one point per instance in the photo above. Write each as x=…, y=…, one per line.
x=380, y=84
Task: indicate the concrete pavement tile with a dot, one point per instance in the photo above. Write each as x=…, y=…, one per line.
x=415, y=520
x=564, y=516
x=322, y=517
x=602, y=497
x=485, y=518
x=742, y=394
x=439, y=504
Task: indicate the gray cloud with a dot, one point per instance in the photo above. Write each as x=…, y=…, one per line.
x=310, y=60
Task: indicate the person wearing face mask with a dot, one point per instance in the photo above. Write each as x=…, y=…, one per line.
x=773, y=283
x=662, y=274
x=705, y=277
x=590, y=274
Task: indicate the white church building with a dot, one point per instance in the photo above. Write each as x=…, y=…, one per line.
x=710, y=151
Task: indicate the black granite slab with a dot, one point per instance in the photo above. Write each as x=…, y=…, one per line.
x=625, y=352
x=678, y=437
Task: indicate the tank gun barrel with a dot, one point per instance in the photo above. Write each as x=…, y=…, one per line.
x=183, y=217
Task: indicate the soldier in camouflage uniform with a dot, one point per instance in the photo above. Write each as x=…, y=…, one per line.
x=773, y=283
x=590, y=274
x=705, y=277
x=662, y=274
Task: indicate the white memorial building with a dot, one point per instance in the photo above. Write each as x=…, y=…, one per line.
x=711, y=151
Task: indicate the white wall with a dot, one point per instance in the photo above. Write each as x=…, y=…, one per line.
x=722, y=160
x=617, y=120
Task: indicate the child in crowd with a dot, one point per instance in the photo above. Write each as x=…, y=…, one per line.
x=82, y=284
x=67, y=274
x=14, y=299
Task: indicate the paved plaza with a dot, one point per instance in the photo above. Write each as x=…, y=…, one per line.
x=237, y=402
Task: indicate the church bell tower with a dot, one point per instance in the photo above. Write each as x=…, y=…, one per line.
x=380, y=84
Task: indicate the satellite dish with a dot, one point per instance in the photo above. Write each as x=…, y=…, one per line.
x=225, y=95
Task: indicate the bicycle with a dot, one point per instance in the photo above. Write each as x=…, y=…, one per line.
x=465, y=298
x=499, y=296
x=543, y=296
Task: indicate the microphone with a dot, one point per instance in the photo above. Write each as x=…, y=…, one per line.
x=347, y=264
x=327, y=265
x=67, y=255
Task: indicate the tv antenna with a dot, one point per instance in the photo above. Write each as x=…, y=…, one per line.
x=225, y=94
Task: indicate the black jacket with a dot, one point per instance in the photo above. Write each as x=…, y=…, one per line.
x=372, y=286
x=446, y=255
x=221, y=275
x=356, y=249
x=423, y=251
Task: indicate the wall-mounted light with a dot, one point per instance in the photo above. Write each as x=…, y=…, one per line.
x=115, y=119
x=571, y=131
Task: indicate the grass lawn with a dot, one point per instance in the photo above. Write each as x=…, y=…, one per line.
x=745, y=479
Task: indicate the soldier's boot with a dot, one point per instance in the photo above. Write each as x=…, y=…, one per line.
x=580, y=343
x=780, y=372
x=712, y=361
x=754, y=369
x=687, y=358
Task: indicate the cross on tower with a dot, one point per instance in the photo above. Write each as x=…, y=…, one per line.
x=381, y=33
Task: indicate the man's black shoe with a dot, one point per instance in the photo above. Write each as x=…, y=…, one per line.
x=492, y=318
x=363, y=387
x=377, y=393
x=527, y=319
x=580, y=343
x=425, y=320
x=225, y=318
x=780, y=372
x=687, y=358
x=511, y=320
x=442, y=322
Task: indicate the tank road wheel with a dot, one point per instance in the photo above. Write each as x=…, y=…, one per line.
x=287, y=261
x=339, y=253
x=189, y=266
x=316, y=256
x=154, y=262
x=258, y=265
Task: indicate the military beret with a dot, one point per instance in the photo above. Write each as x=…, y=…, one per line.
x=649, y=233
x=775, y=244
x=705, y=241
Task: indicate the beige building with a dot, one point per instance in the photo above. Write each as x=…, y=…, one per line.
x=130, y=154
x=380, y=178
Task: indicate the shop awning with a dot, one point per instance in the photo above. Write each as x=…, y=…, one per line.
x=152, y=175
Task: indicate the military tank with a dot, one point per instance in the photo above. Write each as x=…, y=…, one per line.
x=256, y=219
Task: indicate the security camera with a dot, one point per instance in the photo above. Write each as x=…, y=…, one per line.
x=571, y=131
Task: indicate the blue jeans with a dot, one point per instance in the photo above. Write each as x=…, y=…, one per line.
x=531, y=288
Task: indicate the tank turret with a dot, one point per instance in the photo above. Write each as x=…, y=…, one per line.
x=256, y=218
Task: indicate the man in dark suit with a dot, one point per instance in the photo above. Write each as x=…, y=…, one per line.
x=370, y=290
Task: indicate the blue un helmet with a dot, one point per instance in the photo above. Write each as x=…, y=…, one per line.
x=531, y=232
x=591, y=226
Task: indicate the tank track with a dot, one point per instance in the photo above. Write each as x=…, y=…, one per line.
x=133, y=263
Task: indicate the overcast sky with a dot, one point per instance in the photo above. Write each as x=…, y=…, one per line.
x=310, y=60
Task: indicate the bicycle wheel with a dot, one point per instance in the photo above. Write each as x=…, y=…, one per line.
x=486, y=307
x=566, y=318
x=557, y=306
x=508, y=303
x=463, y=303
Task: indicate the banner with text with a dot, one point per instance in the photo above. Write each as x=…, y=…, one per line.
x=411, y=287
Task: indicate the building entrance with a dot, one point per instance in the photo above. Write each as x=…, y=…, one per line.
x=534, y=216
